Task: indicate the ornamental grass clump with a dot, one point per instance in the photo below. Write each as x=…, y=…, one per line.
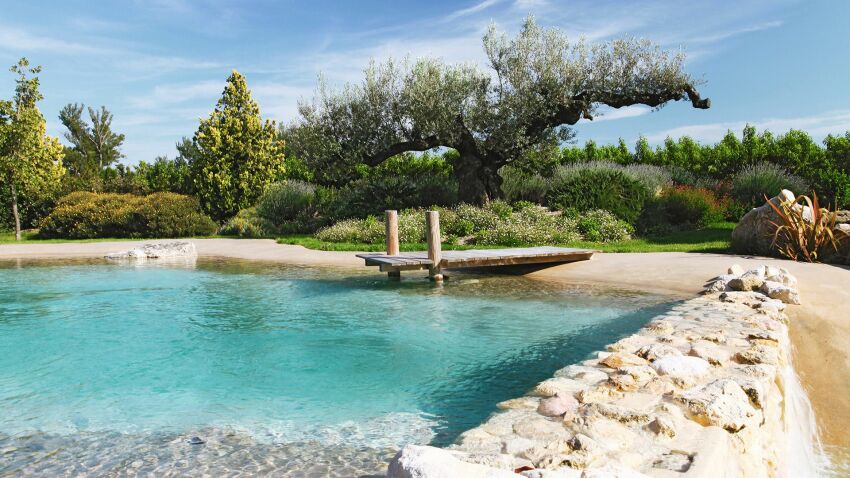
x=756, y=181
x=803, y=230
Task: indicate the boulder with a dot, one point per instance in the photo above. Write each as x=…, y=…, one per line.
x=759, y=354
x=415, y=461
x=557, y=406
x=721, y=403
x=750, y=280
x=735, y=270
x=621, y=359
x=653, y=352
x=754, y=232
x=681, y=367
x=780, y=291
x=158, y=250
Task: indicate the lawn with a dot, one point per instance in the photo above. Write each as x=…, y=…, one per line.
x=714, y=238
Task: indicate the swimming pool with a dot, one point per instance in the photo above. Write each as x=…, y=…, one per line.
x=112, y=368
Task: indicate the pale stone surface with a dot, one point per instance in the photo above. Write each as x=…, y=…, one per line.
x=414, y=461
x=645, y=407
x=558, y=405
x=621, y=359
x=158, y=250
x=750, y=280
x=754, y=232
x=681, y=367
x=780, y=291
x=722, y=403
x=656, y=351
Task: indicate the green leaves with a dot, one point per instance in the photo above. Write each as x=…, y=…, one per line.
x=30, y=160
x=238, y=154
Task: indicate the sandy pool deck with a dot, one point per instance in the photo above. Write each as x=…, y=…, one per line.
x=820, y=328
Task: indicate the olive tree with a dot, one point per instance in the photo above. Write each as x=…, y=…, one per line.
x=538, y=84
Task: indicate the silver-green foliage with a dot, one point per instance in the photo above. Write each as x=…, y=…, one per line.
x=756, y=181
x=540, y=83
x=498, y=225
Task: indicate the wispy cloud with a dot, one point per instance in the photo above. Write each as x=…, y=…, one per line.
x=463, y=12
x=173, y=94
x=830, y=122
x=610, y=114
x=23, y=41
x=529, y=4
x=723, y=35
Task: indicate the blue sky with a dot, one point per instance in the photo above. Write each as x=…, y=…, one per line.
x=159, y=65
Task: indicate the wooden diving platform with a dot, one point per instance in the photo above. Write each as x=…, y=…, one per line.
x=435, y=260
x=410, y=261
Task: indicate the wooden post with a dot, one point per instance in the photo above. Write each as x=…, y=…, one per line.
x=432, y=224
x=391, y=223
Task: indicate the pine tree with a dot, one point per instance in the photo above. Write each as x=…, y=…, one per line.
x=238, y=154
x=30, y=160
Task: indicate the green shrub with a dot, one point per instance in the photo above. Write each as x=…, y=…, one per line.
x=596, y=187
x=655, y=178
x=530, y=226
x=598, y=225
x=683, y=207
x=247, y=223
x=375, y=194
x=753, y=183
x=85, y=215
x=286, y=201
x=520, y=186
x=473, y=219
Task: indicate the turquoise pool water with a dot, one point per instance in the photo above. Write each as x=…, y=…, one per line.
x=302, y=372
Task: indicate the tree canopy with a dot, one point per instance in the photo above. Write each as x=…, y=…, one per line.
x=30, y=160
x=93, y=146
x=236, y=154
x=538, y=85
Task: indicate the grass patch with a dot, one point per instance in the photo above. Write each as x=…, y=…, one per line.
x=714, y=238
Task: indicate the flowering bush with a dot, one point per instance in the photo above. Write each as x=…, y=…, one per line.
x=525, y=224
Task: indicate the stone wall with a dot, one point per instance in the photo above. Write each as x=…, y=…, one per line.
x=701, y=391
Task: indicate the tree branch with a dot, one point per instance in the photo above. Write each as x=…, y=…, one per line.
x=419, y=144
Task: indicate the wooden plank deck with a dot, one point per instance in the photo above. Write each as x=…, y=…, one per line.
x=406, y=261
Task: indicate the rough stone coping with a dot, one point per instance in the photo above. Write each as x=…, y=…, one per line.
x=700, y=391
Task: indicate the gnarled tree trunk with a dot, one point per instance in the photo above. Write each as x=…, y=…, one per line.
x=478, y=181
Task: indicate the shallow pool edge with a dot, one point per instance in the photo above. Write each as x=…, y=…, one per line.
x=705, y=390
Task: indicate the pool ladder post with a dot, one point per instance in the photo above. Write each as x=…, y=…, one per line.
x=435, y=253
x=391, y=224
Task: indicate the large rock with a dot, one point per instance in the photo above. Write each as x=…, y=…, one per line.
x=754, y=232
x=721, y=403
x=779, y=291
x=158, y=250
x=414, y=461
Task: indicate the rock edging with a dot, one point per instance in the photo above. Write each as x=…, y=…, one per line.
x=700, y=391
